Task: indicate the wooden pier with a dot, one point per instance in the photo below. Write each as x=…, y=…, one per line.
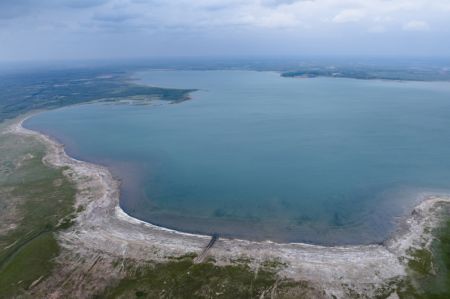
x=202, y=256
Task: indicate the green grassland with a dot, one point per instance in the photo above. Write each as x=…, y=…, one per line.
x=42, y=196
x=429, y=275
x=182, y=278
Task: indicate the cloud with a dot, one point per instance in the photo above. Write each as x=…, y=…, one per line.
x=209, y=14
x=271, y=20
x=280, y=2
x=416, y=25
x=13, y=9
x=284, y=25
x=83, y=3
x=377, y=29
x=19, y=8
x=349, y=15
x=114, y=17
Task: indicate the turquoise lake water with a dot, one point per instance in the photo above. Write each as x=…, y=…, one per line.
x=258, y=156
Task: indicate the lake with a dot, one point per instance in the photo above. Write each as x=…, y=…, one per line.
x=257, y=156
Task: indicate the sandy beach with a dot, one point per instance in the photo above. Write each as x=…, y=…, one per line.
x=102, y=226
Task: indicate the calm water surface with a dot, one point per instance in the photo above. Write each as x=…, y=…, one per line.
x=254, y=155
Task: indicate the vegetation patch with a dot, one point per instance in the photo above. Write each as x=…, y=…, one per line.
x=430, y=275
x=421, y=261
x=29, y=265
x=182, y=278
x=43, y=197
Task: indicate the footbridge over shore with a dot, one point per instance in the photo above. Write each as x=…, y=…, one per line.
x=202, y=256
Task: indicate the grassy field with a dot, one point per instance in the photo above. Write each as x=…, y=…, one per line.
x=34, y=200
x=429, y=270
x=181, y=278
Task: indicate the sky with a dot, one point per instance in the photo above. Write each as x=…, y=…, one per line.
x=107, y=29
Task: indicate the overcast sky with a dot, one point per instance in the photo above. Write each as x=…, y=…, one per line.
x=71, y=29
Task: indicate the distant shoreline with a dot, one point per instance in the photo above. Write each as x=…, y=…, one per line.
x=362, y=72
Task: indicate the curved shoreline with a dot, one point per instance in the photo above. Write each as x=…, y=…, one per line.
x=103, y=226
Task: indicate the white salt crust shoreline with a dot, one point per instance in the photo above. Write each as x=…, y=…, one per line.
x=104, y=227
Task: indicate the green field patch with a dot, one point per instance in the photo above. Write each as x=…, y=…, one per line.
x=182, y=278
x=43, y=203
x=28, y=266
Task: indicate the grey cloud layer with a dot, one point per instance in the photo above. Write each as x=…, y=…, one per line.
x=256, y=13
x=303, y=25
